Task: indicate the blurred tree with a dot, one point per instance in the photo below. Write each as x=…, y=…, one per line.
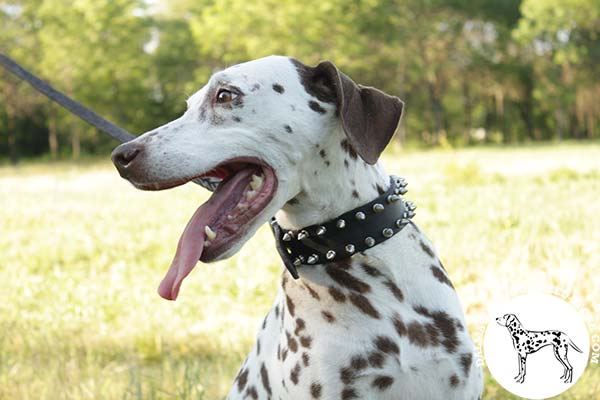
x=562, y=36
x=469, y=70
x=95, y=49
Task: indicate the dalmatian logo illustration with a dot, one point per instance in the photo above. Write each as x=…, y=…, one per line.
x=527, y=342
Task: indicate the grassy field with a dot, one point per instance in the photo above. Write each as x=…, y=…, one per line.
x=82, y=253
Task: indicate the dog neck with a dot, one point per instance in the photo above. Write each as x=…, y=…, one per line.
x=332, y=181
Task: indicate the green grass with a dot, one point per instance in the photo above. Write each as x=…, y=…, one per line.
x=82, y=253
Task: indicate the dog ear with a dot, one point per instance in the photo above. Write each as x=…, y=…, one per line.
x=369, y=116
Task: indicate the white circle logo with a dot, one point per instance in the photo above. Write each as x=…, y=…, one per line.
x=536, y=346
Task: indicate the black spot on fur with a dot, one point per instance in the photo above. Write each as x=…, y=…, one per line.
x=305, y=359
x=355, y=194
x=237, y=119
x=255, y=87
x=364, y=305
x=441, y=276
x=322, y=153
x=300, y=325
x=454, y=381
x=347, y=375
x=399, y=326
x=346, y=163
x=382, y=382
x=290, y=305
x=337, y=294
x=295, y=373
x=293, y=202
x=385, y=344
x=315, y=390
x=316, y=107
x=427, y=249
x=416, y=334
x=347, y=147
x=251, y=391
x=370, y=270
x=264, y=377
x=466, y=360
x=349, y=394
x=376, y=359
x=288, y=128
x=395, y=290
x=292, y=343
x=313, y=293
x=379, y=189
x=264, y=324
x=278, y=88
x=306, y=341
x=347, y=280
x=358, y=363
x=242, y=379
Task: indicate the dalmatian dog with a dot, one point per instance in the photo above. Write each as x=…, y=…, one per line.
x=527, y=342
x=302, y=143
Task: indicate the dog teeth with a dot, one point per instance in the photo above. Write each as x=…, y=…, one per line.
x=209, y=233
x=207, y=243
x=250, y=194
x=242, y=206
x=256, y=182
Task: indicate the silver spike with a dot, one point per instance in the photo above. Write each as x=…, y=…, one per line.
x=321, y=230
x=349, y=248
x=401, y=191
x=301, y=257
x=297, y=261
x=302, y=234
x=288, y=236
x=313, y=258
x=398, y=223
x=340, y=223
x=330, y=254
x=388, y=232
x=410, y=205
x=360, y=216
x=411, y=214
x=402, y=182
x=369, y=241
x=392, y=198
x=377, y=207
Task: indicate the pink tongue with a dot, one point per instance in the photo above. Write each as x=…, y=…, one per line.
x=189, y=250
x=191, y=243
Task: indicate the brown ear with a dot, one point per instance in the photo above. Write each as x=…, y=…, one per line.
x=369, y=116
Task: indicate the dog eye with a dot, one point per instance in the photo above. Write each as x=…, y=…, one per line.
x=225, y=96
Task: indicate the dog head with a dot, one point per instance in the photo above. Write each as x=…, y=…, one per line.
x=250, y=129
x=508, y=320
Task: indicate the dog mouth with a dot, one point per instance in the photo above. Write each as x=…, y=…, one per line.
x=243, y=187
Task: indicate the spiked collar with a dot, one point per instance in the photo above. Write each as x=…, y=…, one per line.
x=354, y=231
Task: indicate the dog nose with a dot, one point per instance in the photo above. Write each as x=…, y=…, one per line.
x=124, y=155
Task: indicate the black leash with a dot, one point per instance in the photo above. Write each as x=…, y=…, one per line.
x=73, y=106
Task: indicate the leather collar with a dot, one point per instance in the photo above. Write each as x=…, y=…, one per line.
x=352, y=232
